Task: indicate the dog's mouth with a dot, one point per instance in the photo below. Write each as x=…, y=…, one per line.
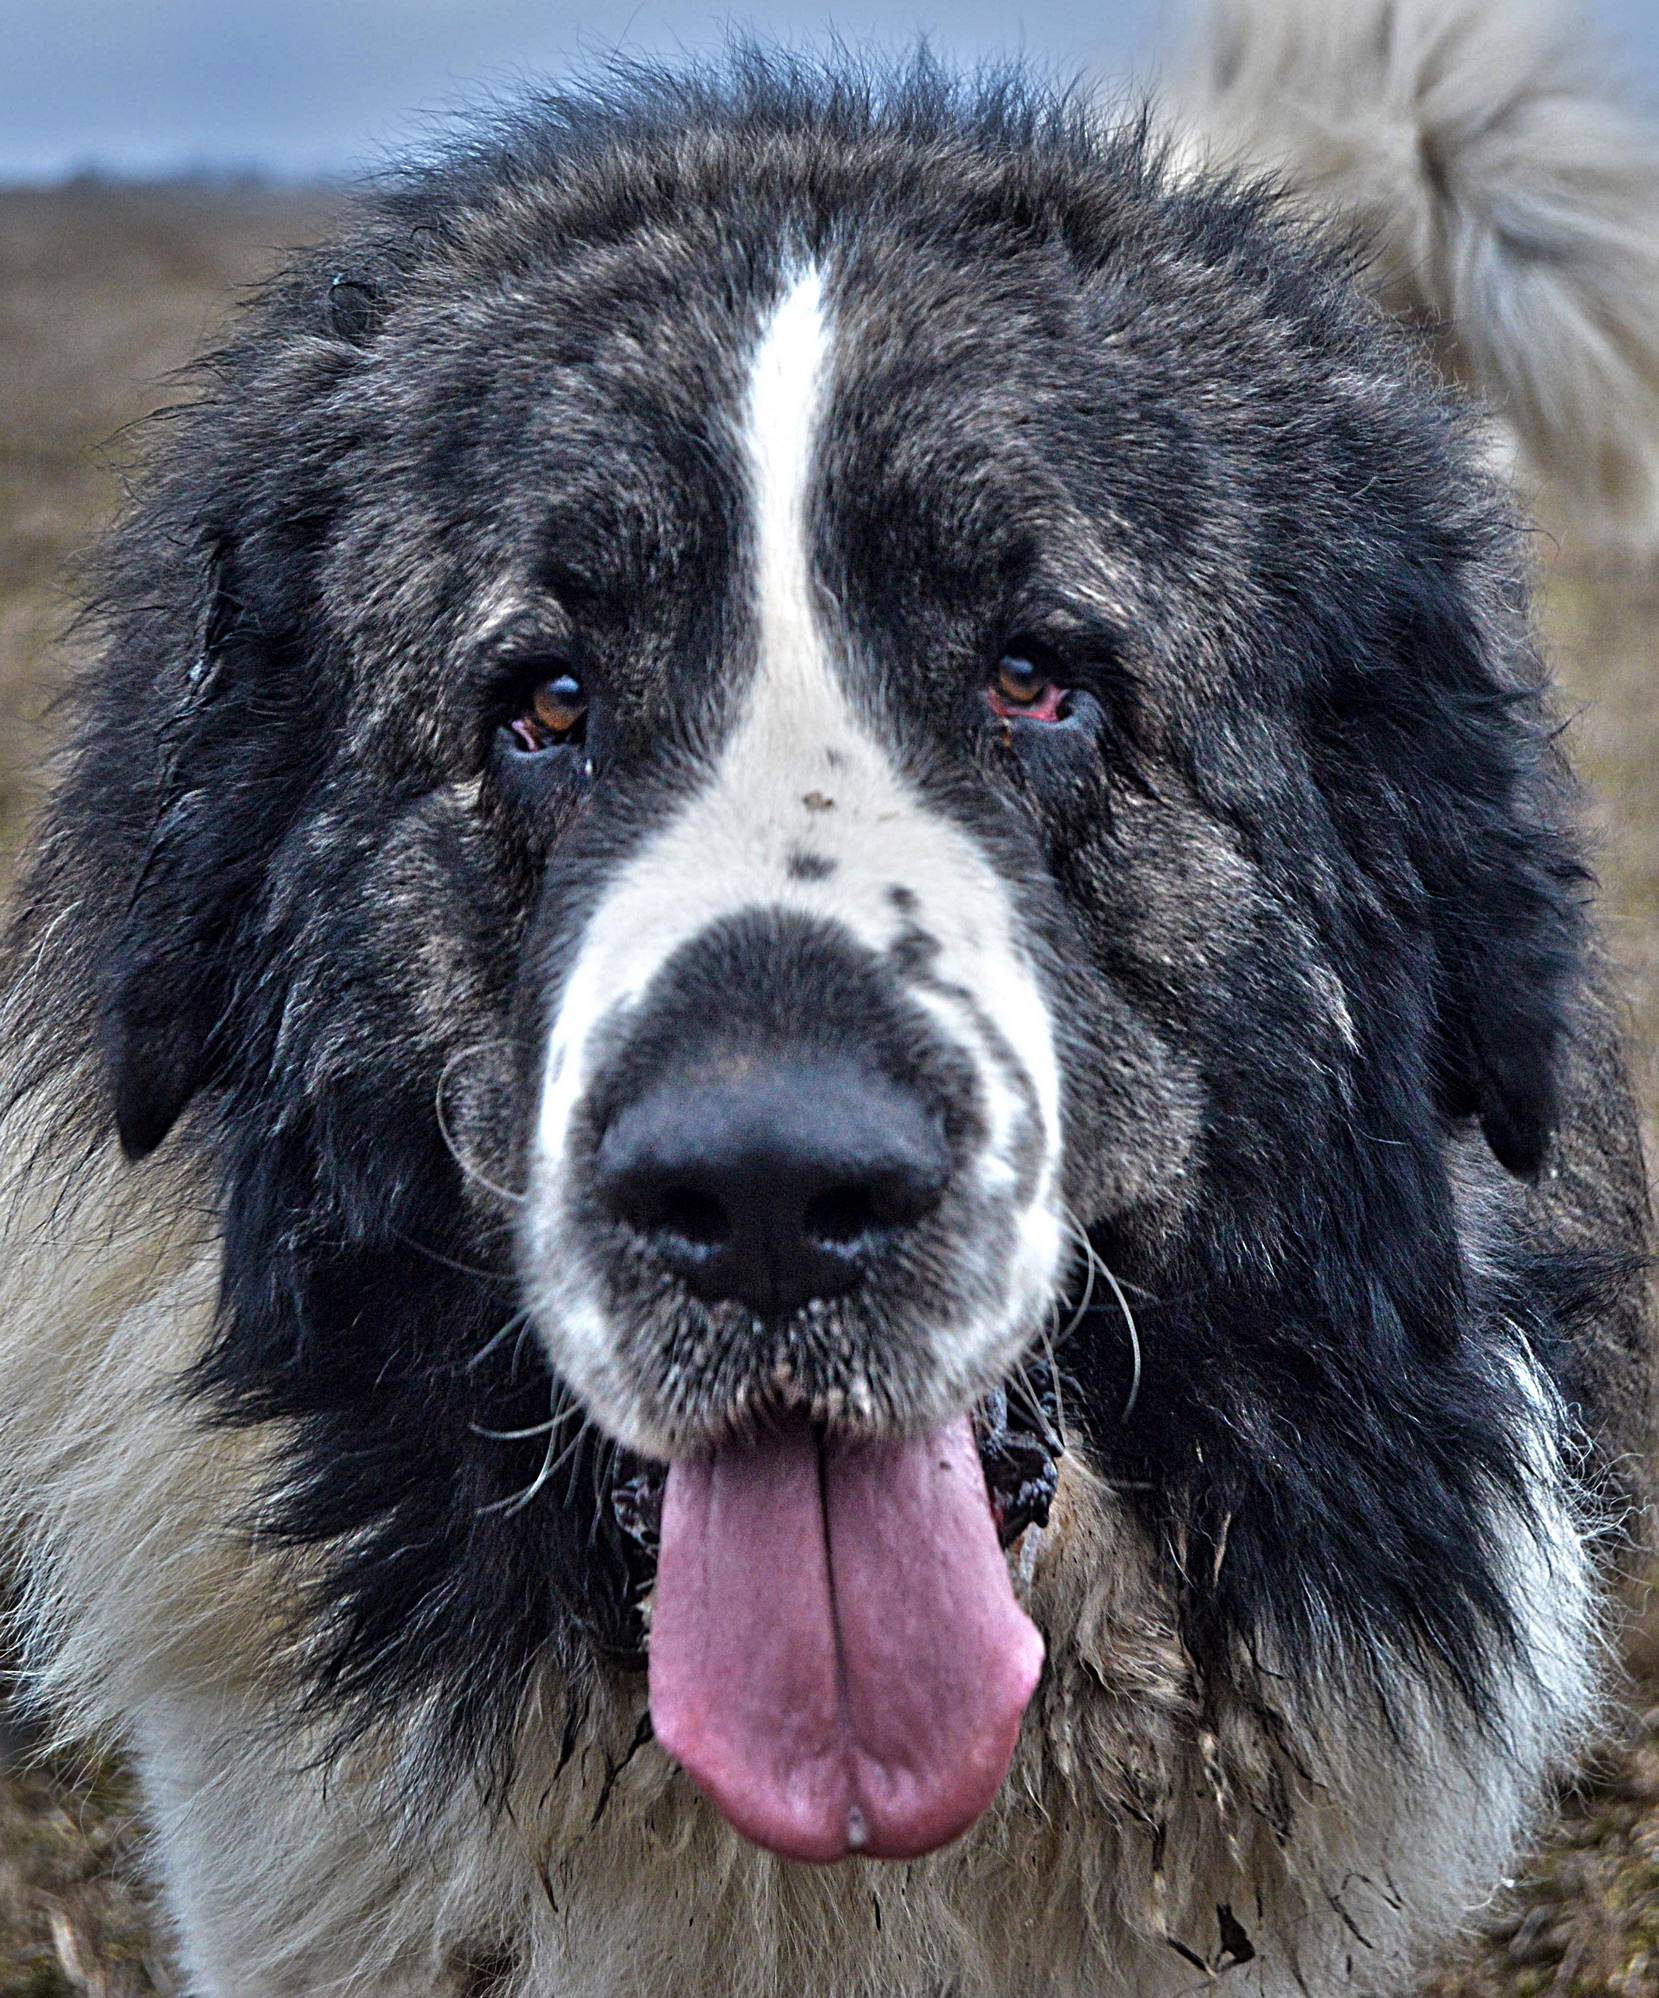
x=836, y=1656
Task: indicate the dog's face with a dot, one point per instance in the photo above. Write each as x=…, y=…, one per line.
x=818, y=1050
x=772, y=733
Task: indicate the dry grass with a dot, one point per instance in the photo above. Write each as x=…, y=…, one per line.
x=102, y=295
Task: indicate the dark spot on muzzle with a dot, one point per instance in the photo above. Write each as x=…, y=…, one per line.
x=804, y=866
x=775, y=1180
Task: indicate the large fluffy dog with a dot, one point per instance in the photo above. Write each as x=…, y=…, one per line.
x=818, y=881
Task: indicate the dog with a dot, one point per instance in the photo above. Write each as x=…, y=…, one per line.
x=816, y=1177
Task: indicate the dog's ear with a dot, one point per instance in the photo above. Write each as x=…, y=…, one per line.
x=1506, y=906
x=1461, y=801
x=158, y=1017
x=1502, y=1021
x=1507, y=894
x=165, y=980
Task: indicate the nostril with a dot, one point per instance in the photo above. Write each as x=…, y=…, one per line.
x=841, y=1218
x=674, y=1208
x=693, y=1216
x=855, y=1214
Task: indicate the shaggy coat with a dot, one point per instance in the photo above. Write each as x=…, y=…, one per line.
x=1293, y=1202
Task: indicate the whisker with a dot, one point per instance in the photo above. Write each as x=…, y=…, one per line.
x=1019, y=1386
x=519, y=1323
x=449, y=1263
x=604, y=1461
x=468, y=1168
x=1059, y=1395
x=525, y=1331
x=1091, y=1262
x=550, y=1468
x=535, y=1429
x=1134, y=1344
x=1096, y=1261
x=566, y=1456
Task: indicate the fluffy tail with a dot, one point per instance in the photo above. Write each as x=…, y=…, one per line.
x=1510, y=191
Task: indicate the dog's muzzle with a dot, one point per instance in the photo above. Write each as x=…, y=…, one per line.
x=775, y=1251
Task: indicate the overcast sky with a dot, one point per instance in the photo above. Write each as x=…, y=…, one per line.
x=302, y=86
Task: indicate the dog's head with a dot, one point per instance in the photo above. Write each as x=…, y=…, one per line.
x=747, y=722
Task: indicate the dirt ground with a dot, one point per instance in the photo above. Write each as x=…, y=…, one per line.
x=102, y=294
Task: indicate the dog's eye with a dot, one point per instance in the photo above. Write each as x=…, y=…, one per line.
x=554, y=715
x=1024, y=687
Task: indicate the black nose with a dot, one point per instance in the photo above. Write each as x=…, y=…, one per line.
x=772, y=1183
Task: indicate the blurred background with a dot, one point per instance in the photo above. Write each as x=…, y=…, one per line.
x=301, y=89
x=154, y=160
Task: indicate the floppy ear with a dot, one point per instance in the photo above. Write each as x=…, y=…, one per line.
x=1441, y=765
x=1507, y=893
x=158, y=1018
x=1503, y=1021
x=1493, y=867
x=164, y=983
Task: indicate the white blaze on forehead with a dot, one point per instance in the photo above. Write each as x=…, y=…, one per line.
x=802, y=773
x=786, y=393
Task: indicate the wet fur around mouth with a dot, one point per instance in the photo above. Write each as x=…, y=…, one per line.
x=1333, y=1469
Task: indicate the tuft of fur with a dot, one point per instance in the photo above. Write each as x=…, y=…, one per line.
x=1510, y=193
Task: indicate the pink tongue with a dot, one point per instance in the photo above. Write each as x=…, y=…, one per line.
x=837, y=1658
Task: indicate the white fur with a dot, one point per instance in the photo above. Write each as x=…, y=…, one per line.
x=1509, y=189
x=802, y=770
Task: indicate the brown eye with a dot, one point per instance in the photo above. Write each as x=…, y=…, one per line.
x=556, y=714
x=1024, y=687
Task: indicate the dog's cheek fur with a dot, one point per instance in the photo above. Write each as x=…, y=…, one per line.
x=335, y=963
x=368, y=1305
x=1321, y=1384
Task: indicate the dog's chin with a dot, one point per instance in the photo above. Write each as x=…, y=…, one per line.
x=662, y=1417
x=679, y=1379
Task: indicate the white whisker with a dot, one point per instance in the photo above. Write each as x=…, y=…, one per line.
x=451, y=1146
x=519, y=1323
x=517, y=1501
x=1093, y=1261
x=535, y=1428
x=1134, y=1344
